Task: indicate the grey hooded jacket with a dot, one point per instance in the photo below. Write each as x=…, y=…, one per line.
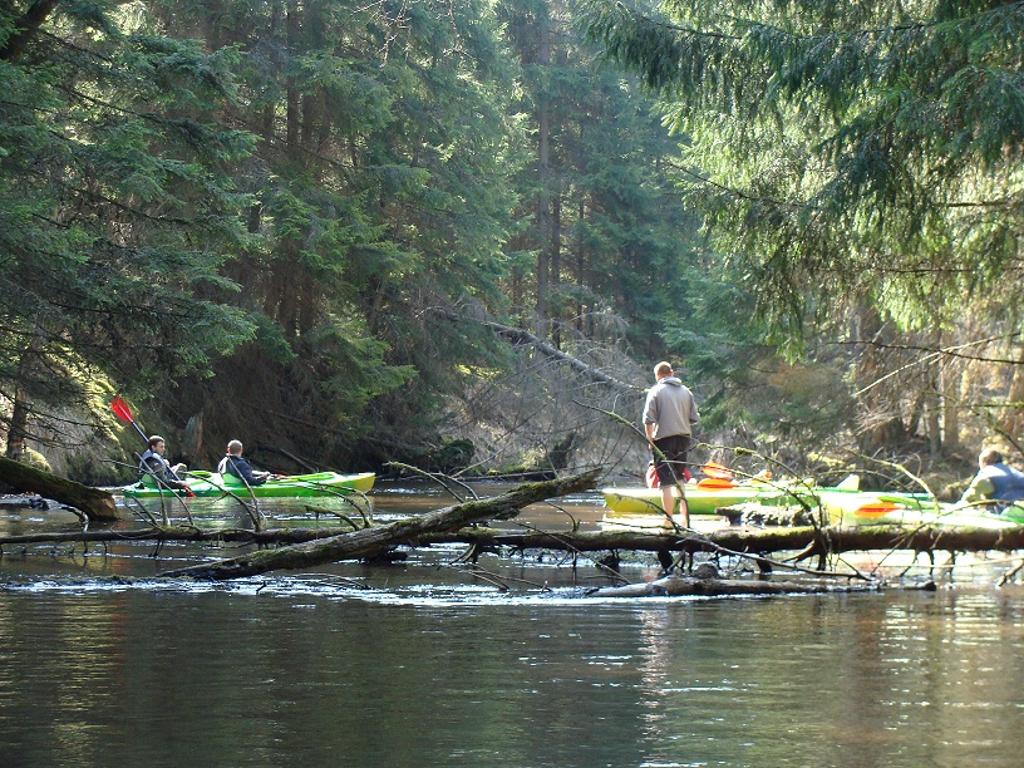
x=671, y=407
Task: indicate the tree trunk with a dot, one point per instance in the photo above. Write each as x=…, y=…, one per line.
x=544, y=172
x=951, y=405
x=807, y=540
x=17, y=432
x=1012, y=420
x=556, y=261
x=933, y=419
x=94, y=503
x=882, y=425
x=580, y=261
x=292, y=114
x=26, y=27
x=369, y=542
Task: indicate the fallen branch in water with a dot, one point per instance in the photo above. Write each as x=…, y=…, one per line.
x=804, y=539
x=369, y=542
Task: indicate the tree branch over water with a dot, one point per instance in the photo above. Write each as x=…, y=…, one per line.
x=371, y=541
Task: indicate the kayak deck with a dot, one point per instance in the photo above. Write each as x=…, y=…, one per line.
x=700, y=501
x=842, y=506
x=214, y=485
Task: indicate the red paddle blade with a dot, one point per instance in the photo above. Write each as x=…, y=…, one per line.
x=121, y=410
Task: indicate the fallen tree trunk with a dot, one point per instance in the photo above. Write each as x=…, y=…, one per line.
x=679, y=585
x=960, y=539
x=93, y=503
x=368, y=542
x=808, y=540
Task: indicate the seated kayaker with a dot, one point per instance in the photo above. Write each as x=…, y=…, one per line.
x=995, y=482
x=153, y=464
x=234, y=464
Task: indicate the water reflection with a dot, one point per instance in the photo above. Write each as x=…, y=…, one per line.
x=429, y=667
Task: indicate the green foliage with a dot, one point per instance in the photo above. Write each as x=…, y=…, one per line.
x=116, y=210
x=844, y=150
x=621, y=242
x=268, y=212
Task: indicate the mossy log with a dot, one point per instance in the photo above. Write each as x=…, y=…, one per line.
x=369, y=542
x=680, y=585
x=92, y=502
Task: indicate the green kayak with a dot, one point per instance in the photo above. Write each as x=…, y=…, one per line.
x=842, y=504
x=211, y=485
x=703, y=498
x=1013, y=513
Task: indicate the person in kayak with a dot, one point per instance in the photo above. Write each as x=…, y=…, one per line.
x=996, y=482
x=153, y=463
x=234, y=464
x=669, y=416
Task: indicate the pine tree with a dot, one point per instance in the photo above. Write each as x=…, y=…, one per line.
x=837, y=149
x=116, y=207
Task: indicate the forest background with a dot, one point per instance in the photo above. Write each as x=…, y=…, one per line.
x=459, y=233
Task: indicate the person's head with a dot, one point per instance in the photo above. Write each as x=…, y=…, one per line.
x=157, y=444
x=235, y=448
x=989, y=456
x=662, y=370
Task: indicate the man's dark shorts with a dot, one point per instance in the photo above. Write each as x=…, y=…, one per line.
x=675, y=448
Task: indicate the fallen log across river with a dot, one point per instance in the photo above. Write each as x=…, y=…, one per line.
x=808, y=541
x=369, y=542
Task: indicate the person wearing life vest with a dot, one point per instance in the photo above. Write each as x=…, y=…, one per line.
x=234, y=464
x=669, y=416
x=153, y=463
x=996, y=482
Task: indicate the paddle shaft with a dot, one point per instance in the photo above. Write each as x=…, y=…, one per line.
x=139, y=430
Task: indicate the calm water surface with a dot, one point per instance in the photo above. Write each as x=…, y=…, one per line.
x=428, y=666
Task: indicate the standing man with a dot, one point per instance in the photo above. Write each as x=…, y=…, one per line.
x=670, y=414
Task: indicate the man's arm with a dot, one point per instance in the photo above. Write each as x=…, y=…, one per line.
x=981, y=488
x=252, y=478
x=650, y=415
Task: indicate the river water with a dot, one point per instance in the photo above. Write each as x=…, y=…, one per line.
x=422, y=664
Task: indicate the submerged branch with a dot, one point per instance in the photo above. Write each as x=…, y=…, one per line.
x=680, y=585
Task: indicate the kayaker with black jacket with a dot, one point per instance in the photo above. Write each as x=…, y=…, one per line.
x=670, y=414
x=996, y=481
x=153, y=464
x=234, y=464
